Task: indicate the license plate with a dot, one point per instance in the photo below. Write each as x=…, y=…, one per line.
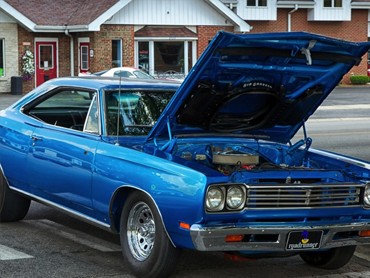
x=304, y=240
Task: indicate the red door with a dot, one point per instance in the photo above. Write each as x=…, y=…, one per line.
x=84, y=62
x=46, y=62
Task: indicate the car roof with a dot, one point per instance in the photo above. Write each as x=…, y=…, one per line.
x=97, y=83
x=100, y=82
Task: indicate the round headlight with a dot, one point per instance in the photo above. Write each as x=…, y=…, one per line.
x=215, y=199
x=367, y=195
x=235, y=197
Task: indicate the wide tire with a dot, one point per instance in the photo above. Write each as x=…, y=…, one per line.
x=146, y=248
x=13, y=207
x=331, y=259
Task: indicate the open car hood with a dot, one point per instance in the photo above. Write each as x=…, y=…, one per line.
x=258, y=85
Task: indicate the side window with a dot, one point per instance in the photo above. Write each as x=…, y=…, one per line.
x=143, y=75
x=122, y=73
x=66, y=108
x=92, y=121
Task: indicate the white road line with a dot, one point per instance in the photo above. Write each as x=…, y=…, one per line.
x=340, y=119
x=344, y=107
x=7, y=253
x=74, y=235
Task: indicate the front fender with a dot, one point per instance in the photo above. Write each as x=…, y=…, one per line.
x=177, y=191
x=118, y=199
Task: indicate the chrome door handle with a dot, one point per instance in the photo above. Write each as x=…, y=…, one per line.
x=34, y=138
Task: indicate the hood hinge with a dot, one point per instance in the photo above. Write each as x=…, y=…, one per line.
x=307, y=52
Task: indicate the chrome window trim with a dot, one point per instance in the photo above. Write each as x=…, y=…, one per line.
x=93, y=90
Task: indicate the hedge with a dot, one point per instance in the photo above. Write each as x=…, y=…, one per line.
x=359, y=79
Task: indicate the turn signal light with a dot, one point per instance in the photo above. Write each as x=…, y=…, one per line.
x=184, y=225
x=365, y=234
x=234, y=238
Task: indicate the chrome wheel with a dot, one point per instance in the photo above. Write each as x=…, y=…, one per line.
x=140, y=231
x=146, y=247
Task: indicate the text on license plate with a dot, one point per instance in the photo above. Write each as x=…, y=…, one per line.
x=302, y=240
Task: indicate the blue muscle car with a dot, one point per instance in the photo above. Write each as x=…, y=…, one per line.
x=207, y=164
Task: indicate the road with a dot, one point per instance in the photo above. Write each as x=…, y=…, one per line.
x=49, y=244
x=342, y=123
x=348, y=136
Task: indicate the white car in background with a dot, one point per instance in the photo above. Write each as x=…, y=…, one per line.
x=131, y=72
x=128, y=72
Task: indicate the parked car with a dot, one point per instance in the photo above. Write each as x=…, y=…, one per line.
x=128, y=72
x=208, y=165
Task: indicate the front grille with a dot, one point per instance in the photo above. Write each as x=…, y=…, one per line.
x=303, y=196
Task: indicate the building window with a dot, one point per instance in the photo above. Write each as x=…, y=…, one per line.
x=84, y=57
x=46, y=57
x=166, y=59
x=256, y=3
x=169, y=56
x=190, y=57
x=332, y=3
x=116, y=53
x=2, y=71
x=144, y=56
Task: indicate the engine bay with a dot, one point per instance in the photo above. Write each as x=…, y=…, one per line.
x=267, y=162
x=226, y=160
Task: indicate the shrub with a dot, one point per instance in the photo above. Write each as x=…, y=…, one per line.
x=359, y=79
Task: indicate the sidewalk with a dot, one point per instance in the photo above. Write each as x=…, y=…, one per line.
x=7, y=99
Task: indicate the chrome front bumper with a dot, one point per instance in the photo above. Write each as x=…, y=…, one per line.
x=213, y=238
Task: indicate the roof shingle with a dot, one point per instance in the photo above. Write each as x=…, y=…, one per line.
x=62, y=12
x=154, y=31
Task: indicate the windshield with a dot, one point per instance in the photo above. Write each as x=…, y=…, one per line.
x=138, y=111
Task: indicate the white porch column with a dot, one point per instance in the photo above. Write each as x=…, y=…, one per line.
x=194, y=52
x=186, y=57
x=136, y=54
x=151, y=58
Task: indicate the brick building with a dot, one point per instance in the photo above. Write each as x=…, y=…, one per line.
x=69, y=37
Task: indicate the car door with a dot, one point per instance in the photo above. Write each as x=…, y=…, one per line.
x=14, y=147
x=63, y=149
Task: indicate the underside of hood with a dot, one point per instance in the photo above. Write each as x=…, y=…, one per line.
x=260, y=85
